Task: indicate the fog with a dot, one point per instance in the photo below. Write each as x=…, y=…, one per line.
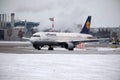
x=67, y=13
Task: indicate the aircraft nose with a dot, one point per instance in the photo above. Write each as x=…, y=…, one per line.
x=32, y=39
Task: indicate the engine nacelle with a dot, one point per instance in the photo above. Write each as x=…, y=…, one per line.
x=69, y=46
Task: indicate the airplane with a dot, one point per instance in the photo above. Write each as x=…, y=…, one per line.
x=62, y=39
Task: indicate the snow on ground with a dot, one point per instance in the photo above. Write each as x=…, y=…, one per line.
x=59, y=67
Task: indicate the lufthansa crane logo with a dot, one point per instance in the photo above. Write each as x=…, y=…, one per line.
x=88, y=25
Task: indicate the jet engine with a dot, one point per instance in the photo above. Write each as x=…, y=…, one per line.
x=69, y=46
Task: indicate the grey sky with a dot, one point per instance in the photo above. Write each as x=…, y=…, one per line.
x=67, y=13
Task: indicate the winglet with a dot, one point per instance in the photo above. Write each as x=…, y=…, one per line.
x=86, y=28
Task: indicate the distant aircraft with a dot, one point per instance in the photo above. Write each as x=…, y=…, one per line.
x=65, y=40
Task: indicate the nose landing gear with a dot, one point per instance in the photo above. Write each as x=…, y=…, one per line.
x=37, y=47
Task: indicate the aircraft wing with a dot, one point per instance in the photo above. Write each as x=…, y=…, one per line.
x=90, y=40
x=84, y=41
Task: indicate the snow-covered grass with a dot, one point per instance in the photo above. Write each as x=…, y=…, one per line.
x=59, y=67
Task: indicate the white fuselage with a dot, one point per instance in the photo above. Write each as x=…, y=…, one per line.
x=58, y=37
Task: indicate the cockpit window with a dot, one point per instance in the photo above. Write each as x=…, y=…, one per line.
x=36, y=35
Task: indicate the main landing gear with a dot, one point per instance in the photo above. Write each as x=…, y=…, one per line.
x=50, y=48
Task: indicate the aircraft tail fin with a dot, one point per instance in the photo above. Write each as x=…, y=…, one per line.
x=86, y=27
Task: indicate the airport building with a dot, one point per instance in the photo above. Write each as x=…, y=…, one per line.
x=103, y=32
x=14, y=30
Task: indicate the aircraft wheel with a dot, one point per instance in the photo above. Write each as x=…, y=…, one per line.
x=71, y=49
x=50, y=48
x=38, y=48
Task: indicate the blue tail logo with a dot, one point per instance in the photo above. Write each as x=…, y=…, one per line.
x=86, y=28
